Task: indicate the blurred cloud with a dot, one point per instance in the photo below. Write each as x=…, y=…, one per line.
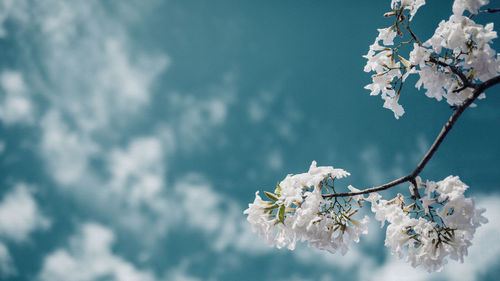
x=2, y=146
x=402, y=162
x=179, y=273
x=11, y=9
x=275, y=160
x=15, y=105
x=109, y=137
x=194, y=118
x=137, y=171
x=94, y=82
x=20, y=214
x=259, y=106
x=225, y=226
x=89, y=257
x=66, y=151
x=370, y=156
x=7, y=268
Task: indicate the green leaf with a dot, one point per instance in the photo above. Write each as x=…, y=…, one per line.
x=281, y=214
x=278, y=189
x=271, y=196
x=272, y=207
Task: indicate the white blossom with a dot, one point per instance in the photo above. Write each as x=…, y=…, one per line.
x=292, y=186
x=387, y=35
x=412, y=5
x=260, y=221
x=459, y=6
x=434, y=81
x=307, y=215
x=429, y=238
x=391, y=102
x=459, y=212
x=458, y=42
x=419, y=55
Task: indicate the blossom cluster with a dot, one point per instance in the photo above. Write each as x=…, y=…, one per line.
x=432, y=228
x=457, y=45
x=298, y=211
x=427, y=231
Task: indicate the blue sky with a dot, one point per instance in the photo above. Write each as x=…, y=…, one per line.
x=133, y=134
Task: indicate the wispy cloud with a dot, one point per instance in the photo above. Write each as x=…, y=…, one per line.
x=88, y=257
x=225, y=226
x=20, y=214
x=196, y=118
x=16, y=106
x=7, y=268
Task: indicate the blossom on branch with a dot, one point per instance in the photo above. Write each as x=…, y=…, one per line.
x=297, y=211
x=459, y=6
x=456, y=57
x=457, y=63
x=433, y=228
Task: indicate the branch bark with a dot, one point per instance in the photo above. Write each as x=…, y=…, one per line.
x=455, y=71
x=490, y=10
x=478, y=89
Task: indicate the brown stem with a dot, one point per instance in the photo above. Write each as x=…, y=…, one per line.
x=478, y=89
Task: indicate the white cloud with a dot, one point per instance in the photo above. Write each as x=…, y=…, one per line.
x=195, y=118
x=422, y=146
x=11, y=9
x=275, y=160
x=218, y=216
x=66, y=151
x=134, y=194
x=137, y=172
x=129, y=189
x=371, y=157
x=90, y=257
x=353, y=259
x=20, y=215
x=97, y=78
x=95, y=83
x=377, y=172
x=258, y=107
x=16, y=106
x=7, y=268
x=296, y=277
x=179, y=273
x=395, y=270
x=2, y=146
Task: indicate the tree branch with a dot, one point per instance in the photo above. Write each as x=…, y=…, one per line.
x=478, y=89
x=455, y=71
x=490, y=10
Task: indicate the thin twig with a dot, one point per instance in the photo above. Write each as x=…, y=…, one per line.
x=478, y=89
